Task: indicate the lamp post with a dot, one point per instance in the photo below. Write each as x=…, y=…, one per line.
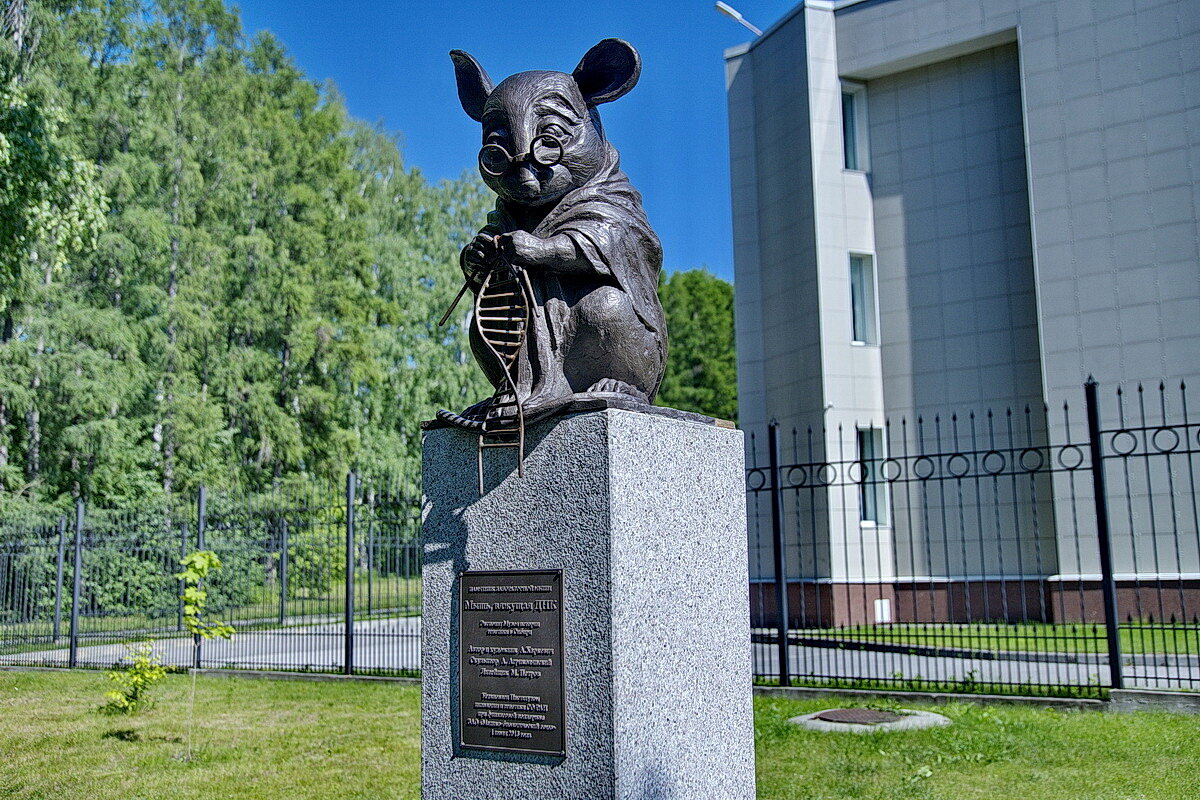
x=736, y=16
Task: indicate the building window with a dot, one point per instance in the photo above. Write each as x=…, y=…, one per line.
x=872, y=495
x=864, y=325
x=854, y=126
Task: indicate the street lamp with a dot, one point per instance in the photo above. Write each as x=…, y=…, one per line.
x=736, y=16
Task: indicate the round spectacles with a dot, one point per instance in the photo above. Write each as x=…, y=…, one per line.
x=544, y=151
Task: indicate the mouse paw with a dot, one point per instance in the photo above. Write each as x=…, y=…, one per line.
x=619, y=387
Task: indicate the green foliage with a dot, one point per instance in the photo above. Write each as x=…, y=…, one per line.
x=124, y=582
x=316, y=562
x=135, y=681
x=244, y=282
x=701, y=362
x=51, y=204
x=196, y=567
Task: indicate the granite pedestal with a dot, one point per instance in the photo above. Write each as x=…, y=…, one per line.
x=645, y=516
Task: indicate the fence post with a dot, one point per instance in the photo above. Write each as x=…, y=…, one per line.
x=201, y=527
x=1108, y=584
x=781, y=599
x=76, y=586
x=370, y=563
x=283, y=572
x=351, y=490
x=58, y=578
x=183, y=551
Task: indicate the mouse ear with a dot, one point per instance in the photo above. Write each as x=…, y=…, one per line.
x=608, y=71
x=474, y=85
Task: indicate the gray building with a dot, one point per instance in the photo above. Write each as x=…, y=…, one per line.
x=946, y=206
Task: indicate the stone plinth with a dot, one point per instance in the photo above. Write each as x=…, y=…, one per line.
x=645, y=516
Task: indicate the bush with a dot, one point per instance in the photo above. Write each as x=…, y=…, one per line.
x=135, y=681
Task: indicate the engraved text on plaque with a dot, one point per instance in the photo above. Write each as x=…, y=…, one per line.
x=510, y=661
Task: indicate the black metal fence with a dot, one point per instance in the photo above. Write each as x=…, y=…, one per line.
x=312, y=580
x=1034, y=551
x=1029, y=551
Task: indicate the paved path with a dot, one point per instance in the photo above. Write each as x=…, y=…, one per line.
x=381, y=644
x=395, y=644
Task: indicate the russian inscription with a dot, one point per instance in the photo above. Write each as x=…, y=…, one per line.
x=510, y=662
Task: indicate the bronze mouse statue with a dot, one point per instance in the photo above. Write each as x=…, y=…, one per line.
x=565, y=273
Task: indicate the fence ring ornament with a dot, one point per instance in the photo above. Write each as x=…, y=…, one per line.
x=756, y=479
x=1070, y=456
x=1169, y=441
x=892, y=470
x=826, y=474
x=924, y=467
x=856, y=472
x=958, y=465
x=1123, y=442
x=993, y=462
x=1031, y=459
x=790, y=478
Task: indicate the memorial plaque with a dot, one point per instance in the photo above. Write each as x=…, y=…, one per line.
x=510, y=662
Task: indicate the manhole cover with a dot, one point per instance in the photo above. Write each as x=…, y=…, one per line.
x=859, y=716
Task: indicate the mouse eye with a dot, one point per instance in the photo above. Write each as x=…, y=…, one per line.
x=555, y=130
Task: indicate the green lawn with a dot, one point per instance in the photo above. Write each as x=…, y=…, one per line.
x=291, y=740
x=1136, y=637
x=989, y=753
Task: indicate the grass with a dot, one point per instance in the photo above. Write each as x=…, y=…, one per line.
x=271, y=740
x=254, y=740
x=1136, y=637
x=989, y=752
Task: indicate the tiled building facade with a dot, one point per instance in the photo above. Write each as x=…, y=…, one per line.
x=951, y=205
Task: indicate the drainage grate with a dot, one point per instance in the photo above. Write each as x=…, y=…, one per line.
x=859, y=716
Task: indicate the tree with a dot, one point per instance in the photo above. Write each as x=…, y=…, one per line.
x=416, y=231
x=50, y=203
x=701, y=362
x=51, y=208
x=231, y=283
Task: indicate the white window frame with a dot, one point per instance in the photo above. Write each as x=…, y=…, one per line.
x=866, y=288
x=875, y=512
x=854, y=98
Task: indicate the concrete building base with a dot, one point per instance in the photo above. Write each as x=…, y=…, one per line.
x=829, y=604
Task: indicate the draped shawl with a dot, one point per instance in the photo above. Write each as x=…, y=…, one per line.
x=605, y=219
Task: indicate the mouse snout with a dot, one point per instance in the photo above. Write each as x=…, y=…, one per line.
x=528, y=177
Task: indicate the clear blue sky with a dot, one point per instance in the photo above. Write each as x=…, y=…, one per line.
x=390, y=62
